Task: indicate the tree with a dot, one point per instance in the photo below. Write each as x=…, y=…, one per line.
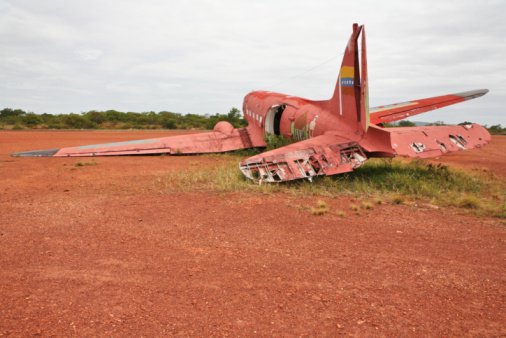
x=130, y=117
x=169, y=123
x=113, y=116
x=142, y=119
x=78, y=122
x=235, y=117
x=6, y=112
x=406, y=123
x=96, y=117
x=152, y=117
x=31, y=120
x=11, y=116
x=496, y=130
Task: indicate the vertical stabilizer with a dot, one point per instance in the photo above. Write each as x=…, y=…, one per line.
x=364, y=89
x=351, y=95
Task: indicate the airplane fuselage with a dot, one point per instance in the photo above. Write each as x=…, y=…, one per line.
x=295, y=117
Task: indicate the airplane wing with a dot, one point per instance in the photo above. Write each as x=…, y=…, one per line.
x=398, y=111
x=322, y=155
x=224, y=138
x=423, y=142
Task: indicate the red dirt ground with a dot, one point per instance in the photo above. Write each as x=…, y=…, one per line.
x=97, y=251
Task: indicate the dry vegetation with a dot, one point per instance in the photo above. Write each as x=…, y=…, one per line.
x=397, y=181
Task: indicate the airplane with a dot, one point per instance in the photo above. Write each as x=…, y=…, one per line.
x=329, y=137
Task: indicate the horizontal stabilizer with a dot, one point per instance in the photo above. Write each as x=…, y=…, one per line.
x=398, y=111
x=322, y=155
x=224, y=138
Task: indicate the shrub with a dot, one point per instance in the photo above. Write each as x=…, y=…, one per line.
x=275, y=141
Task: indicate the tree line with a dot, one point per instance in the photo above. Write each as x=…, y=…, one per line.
x=493, y=130
x=111, y=119
x=18, y=119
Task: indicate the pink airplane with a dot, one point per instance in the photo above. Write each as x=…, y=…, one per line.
x=329, y=137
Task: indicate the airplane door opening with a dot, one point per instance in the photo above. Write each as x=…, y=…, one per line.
x=273, y=119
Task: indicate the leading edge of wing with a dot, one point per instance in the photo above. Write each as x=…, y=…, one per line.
x=398, y=111
x=321, y=155
x=224, y=138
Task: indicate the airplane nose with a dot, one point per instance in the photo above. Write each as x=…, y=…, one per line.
x=37, y=153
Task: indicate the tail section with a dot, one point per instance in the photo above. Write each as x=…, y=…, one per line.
x=351, y=95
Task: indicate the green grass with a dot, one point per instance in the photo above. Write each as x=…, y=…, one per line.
x=395, y=181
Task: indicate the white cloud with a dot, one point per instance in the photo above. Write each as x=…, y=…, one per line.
x=168, y=86
x=87, y=54
x=3, y=5
x=203, y=56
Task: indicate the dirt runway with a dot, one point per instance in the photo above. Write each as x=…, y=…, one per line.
x=98, y=251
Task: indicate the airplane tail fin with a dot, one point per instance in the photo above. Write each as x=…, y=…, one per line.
x=364, y=88
x=351, y=95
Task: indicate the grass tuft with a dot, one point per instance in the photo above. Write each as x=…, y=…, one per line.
x=367, y=205
x=469, y=202
x=322, y=209
x=82, y=164
x=322, y=204
x=319, y=211
x=397, y=199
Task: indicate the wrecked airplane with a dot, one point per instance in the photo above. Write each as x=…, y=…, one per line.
x=330, y=137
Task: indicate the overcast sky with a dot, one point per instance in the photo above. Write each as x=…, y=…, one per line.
x=198, y=56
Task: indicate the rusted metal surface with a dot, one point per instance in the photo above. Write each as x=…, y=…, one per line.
x=330, y=137
x=322, y=155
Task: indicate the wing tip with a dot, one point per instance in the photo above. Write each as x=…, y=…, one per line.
x=472, y=94
x=37, y=153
